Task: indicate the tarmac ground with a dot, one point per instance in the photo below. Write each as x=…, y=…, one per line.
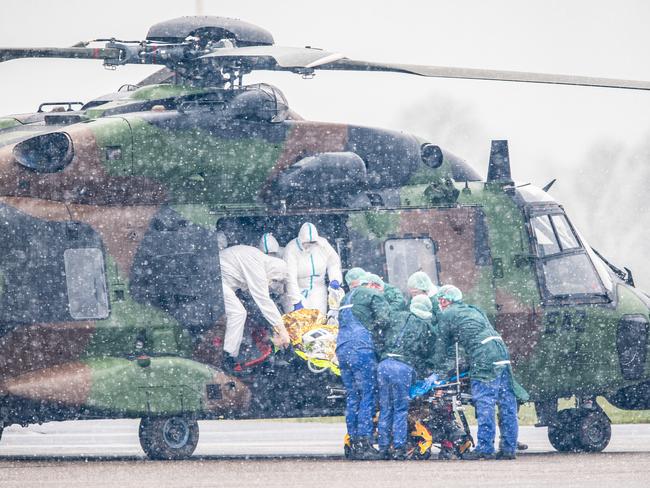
x=106, y=453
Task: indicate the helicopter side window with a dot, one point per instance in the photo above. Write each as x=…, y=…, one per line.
x=406, y=256
x=86, y=283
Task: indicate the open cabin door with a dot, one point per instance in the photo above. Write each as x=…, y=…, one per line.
x=449, y=244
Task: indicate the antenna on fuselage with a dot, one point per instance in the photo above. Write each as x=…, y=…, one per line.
x=499, y=166
x=548, y=185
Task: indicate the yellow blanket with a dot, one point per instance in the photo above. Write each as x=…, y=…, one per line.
x=313, y=339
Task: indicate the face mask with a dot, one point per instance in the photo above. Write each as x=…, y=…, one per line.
x=415, y=292
x=308, y=245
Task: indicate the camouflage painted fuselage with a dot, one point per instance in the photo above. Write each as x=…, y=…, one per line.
x=107, y=255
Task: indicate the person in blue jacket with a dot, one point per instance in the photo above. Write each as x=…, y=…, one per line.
x=363, y=314
x=407, y=348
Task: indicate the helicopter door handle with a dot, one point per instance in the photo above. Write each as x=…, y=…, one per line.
x=523, y=260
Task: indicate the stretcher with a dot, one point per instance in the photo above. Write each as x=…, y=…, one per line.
x=437, y=419
x=313, y=339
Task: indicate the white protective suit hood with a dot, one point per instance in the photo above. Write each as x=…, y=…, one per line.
x=222, y=240
x=269, y=244
x=308, y=233
x=276, y=269
x=310, y=265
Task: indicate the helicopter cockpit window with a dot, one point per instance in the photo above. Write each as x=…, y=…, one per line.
x=553, y=234
x=572, y=275
x=406, y=256
x=567, y=269
x=544, y=236
x=565, y=235
x=86, y=283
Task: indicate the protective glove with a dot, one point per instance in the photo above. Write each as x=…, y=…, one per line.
x=333, y=317
x=335, y=285
x=419, y=388
x=298, y=306
x=281, y=338
x=432, y=380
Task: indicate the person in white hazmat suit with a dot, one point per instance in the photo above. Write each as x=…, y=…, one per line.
x=310, y=259
x=248, y=269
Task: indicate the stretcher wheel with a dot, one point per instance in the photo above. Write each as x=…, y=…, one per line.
x=347, y=451
x=445, y=454
x=416, y=455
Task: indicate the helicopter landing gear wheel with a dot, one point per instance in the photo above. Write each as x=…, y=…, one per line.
x=562, y=431
x=577, y=430
x=593, y=430
x=168, y=437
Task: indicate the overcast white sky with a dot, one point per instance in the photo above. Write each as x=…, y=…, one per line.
x=599, y=38
x=549, y=127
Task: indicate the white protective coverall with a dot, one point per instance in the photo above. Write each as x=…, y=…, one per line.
x=247, y=268
x=310, y=258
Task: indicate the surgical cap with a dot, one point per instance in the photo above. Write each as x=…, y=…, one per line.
x=451, y=293
x=420, y=281
x=421, y=307
x=376, y=279
x=354, y=274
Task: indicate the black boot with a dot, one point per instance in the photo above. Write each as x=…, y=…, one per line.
x=385, y=454
x=362, y=450
x=399, y=454
x=231, y=366
x=476, y=455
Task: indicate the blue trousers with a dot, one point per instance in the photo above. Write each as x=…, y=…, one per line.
x=358, y=373
x=486, y=395
x=394, y=379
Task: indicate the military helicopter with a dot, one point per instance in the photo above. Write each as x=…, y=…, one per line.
x=110, y=292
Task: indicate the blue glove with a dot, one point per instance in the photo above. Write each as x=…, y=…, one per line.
x=298, y=306
x=335, y=285
x=419, y=388
x=432, y=380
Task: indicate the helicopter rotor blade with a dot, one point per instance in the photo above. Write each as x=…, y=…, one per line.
x=485, y=74
x=275, y=57
x=299, y=60
x=7, y=54
x=305, y=60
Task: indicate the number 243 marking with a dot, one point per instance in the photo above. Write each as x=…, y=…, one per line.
x=568, y=320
